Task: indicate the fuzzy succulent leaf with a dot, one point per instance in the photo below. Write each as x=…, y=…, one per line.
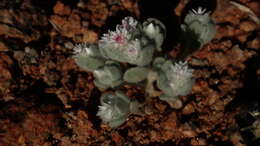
x=88, y=63
x=175, y=80
x=158, y=62
x=199, y=26
x=100, y=85
x=167, y=98
x=110, y=75
x=114, y=109
x=136, y=74
x=87, y=50
x=88, y=57
x=127, y=44
x=146, y=54
x=155, y=30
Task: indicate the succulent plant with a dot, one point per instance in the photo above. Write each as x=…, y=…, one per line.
x=115, y=108
x=127, y=55
x=174, y=80
x=88, y=57
x=131, y=43
x=136, y=74
x=158, y=62
x=155, y=30
x=198, y=28
x=109, y=75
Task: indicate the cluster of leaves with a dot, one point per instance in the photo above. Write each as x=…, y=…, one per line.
x=127, y=55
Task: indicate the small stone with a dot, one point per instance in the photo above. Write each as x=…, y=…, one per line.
x=3, y=47
x=242, y=38
x=61, y=9
x=255, y=44
x=247, y=26
x=198, y=62
x=198, y=141
x=188, y=109
x=187, y=131
x=68, y=45
x=176, y=104
x=160, y=107
x=148, y=110
x=254, y=6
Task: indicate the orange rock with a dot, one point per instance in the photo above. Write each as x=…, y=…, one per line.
x=188, y=109
x=61, y=9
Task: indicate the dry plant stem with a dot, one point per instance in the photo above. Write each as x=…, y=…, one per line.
x=245, y=9
x=151, y=78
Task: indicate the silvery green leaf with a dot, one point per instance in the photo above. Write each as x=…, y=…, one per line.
x=199, y=26
x=175, y=80
x=114, y=109
x=100, y=85
x=158, y=62
x=136, y=74
x=128, y=44
x=88, y=56
x=155, y=30
x=146, y=54
x=88, y=63
x=110, y=75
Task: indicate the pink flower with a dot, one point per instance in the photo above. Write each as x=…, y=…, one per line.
x=122, y=34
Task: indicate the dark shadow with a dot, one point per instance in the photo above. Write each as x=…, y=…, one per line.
x=189, y=44
x=10, y=4
x=165, y=143
x=39, y=97
x=163, y=11
x=247, y=98
x=71, y=3
x=39, y=44
x=217, y=141
x=255, y=142
x=92, y=108
x=16, y=117
x=44, y=6
x=157, y=9
x=13, y=43
x=114, y=20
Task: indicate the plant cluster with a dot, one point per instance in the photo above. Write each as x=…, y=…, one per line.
x=129, y=54
x=115, y=108
x=198, y=29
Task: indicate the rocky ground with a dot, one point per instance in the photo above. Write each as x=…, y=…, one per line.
x=47, y=100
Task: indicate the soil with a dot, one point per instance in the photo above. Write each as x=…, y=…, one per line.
x=47, y=100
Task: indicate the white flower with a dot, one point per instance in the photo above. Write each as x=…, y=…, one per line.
x=129, y=23
x=200, y=15
x=200, y=11
x=180, y=78
x=123, y=32
x=83, y=49
x=114, y=109
x=129, y=44
x=182, y=69
x=106, y=112
x=199, y=25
